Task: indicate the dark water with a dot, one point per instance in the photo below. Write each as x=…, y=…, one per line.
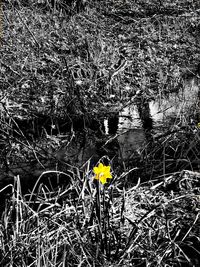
x=124, y=137
x=128, y=133
x=175, y=110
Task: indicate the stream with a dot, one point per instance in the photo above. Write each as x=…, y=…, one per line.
x=126, y=139
x=170, y=112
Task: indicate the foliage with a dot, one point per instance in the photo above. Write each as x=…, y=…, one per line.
x=72, y=68
x=66, y=67
x=84, y=225
x=57, y=60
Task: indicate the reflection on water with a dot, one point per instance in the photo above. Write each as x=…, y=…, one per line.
x=131, y=142
x=176, y=106
x=137, y=120
x=122, y=136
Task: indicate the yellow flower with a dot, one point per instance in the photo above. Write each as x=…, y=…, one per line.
x=198, y=124
x=102, y=173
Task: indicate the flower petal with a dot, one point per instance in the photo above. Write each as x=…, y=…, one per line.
x=103, y=180
x=107, y=169
x=96, y=170
x=108, y=175
x=102, y=173
x=101, y=167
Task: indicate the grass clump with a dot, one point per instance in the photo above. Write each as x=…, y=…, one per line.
x=90, y=224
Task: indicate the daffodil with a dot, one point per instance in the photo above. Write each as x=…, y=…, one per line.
x=102, y=173
x=198, y=124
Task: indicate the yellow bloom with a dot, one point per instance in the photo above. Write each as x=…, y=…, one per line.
x=102, y=173
x=198, y=124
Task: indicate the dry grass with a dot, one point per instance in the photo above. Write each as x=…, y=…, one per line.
x=80, y=65
x=155, y=224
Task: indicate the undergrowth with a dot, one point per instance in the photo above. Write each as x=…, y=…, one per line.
x=65, y=68
x=88, y=224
